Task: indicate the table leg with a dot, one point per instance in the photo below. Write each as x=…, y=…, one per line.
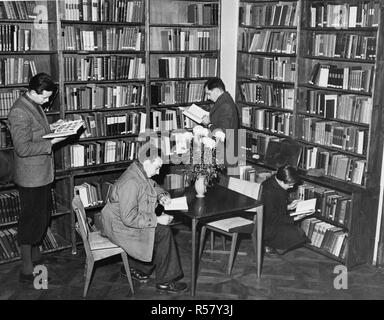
x=259, y=240
x=193, y=266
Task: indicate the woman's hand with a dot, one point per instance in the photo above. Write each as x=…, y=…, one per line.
x=164, y=219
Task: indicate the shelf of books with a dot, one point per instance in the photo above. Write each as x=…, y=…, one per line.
x=184, y=51
x=326, y=97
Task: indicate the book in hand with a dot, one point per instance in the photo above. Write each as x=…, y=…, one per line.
x=177, y=204
x=195, y=113
x=231, y=224
x=66, y=128
x=304, y=208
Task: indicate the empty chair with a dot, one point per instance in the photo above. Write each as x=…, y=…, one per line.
x=96, y=246
x=253, y=227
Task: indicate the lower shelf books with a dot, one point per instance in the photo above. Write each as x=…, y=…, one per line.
x=326, y=236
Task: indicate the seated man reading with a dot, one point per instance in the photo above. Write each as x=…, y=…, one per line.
x=129, y=220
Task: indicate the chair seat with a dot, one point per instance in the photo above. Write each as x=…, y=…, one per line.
x=233, y=224
x=97, y=241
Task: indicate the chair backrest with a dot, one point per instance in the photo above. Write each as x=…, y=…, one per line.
x=83, y=229
x=250, y=189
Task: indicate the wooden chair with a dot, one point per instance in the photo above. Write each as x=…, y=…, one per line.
x=254, y=227
x=96, y=246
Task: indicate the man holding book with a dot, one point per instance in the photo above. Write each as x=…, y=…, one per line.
x=34, y=169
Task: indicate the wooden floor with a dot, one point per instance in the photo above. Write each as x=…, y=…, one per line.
x=300, y=274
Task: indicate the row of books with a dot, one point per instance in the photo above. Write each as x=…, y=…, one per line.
x=9, y=247
x=326, y=236
x=341, y=45
x=111, y=67
x=10, y=206
x=273, y=68
x=104, y=10
x=175, y=181
x=7, y=98
x=93, y=96
x=169, y=119
x=345, y=15
x=111, y=38
x=268, y=41
x=101, y=124
x=334, y=134
x=257, y=144
x=330, y=204
x=94, y=193
x=182, y=67
x=101, y=152
x=16, y=70
x=269, y=94
x=356, y=78
x=267, y=120
x=14, y=38
x=178, y=39
x=337, y=106
x=5, y=136
x=16, y=10
x=175, y=92
x=260, y=15
x=333, y=164
x=203, y=13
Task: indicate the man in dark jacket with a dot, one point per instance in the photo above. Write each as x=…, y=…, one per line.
x=224, y=117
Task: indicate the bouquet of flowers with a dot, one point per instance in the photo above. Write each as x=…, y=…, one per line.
x=206, y=154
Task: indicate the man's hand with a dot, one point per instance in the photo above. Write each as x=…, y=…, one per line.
x=57, y=140
x=293, y=205
x=164, y=219
x=165, y=199
x=205, y=120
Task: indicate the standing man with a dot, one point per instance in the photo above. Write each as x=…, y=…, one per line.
x=34, y=170
x=224, y=114
x=129, y=220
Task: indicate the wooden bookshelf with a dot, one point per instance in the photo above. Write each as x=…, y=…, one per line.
x=334, y=79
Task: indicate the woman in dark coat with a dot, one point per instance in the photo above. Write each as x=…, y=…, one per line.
x=280, y=232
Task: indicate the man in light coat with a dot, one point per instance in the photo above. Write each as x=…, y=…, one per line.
x=129, y=220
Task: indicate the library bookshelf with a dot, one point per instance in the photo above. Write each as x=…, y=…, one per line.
x=323, y=90
x=121, y=66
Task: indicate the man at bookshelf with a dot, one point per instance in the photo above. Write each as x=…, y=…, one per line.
x=280, y=232
x=224, y=117
x=130, y=221
x=34, y=170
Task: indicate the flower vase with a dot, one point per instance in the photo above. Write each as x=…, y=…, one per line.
x=200, y=186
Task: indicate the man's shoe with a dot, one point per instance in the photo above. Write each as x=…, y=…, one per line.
x=135, y=274
x=171, y=287
x=271, y=251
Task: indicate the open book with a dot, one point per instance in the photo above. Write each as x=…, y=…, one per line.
x=66, y=128
x=304, y=208
x=178, y=204
x=195, y=113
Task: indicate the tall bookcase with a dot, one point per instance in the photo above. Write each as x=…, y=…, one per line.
x=28, y=46
x=122, y=66
x=328, y=100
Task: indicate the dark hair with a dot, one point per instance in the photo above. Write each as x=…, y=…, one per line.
x=41, y=82
x=287, y=174
x=215, y=83
x=148, y=151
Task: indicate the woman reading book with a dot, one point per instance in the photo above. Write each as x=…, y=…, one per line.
x=280, y=232
x=34, y=172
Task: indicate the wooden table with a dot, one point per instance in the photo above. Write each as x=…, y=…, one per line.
x=218, y=203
